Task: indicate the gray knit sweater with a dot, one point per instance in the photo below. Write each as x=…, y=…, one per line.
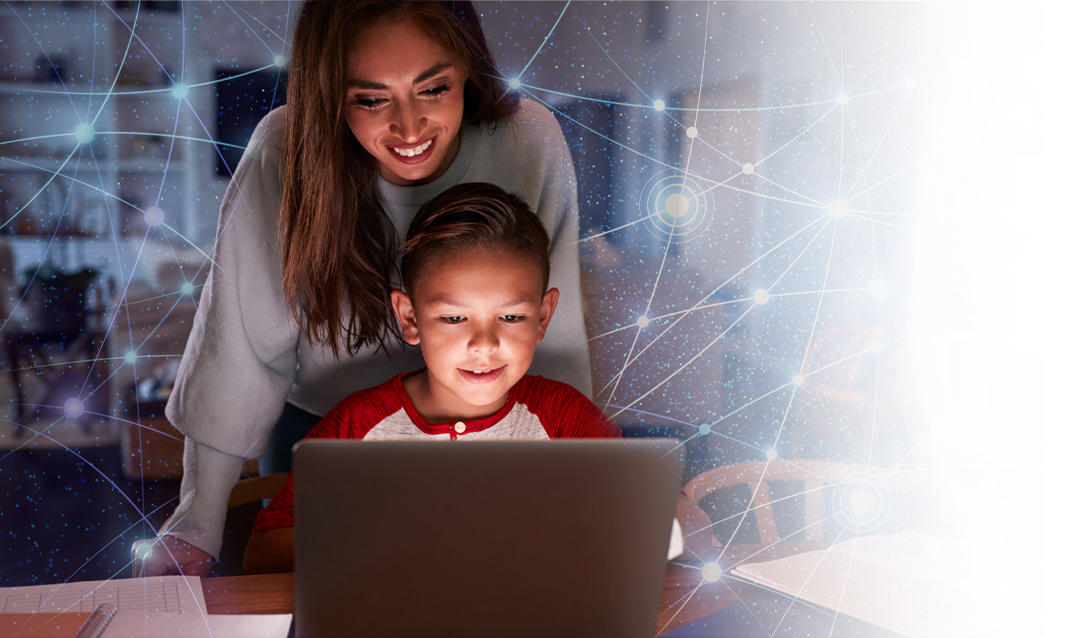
x=246, y=357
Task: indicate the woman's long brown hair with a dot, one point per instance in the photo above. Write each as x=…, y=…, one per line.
x=338, y=244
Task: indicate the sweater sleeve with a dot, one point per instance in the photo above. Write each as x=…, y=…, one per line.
x=563, y=353
x=240, y=360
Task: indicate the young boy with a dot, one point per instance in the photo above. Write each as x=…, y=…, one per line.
x=475, y=270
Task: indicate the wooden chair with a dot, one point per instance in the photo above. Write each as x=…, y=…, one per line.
x=250, y=490
x=816, y=475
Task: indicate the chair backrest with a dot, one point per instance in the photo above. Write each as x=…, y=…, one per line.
x=254, y=489
x=816, y=475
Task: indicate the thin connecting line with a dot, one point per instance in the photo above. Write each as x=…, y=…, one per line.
x=719, y=287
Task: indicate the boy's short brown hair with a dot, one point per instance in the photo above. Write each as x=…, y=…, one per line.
x=469, y=216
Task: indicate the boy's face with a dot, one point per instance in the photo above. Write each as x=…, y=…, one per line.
x=477, y=315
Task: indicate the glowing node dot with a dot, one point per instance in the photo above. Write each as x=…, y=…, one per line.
x=911, y=82
x=188, y=288
x=836, y=209
x=143, y=552
x=748, y=168
x=643, y=322
x=705, y=428
x=879, y=346
x=130, y=357
x=73, y=408
x=153, y=216
x=861, y=502
x=878, y=289
x=280, y=61
x=761, y=296
x=692, y=132
x=677, y=205
x=514, y=83
x=711, y=572
x=85, y=132
x=772, y=454
x=179, y=90
x=659, y=105
x=843, y=98
x=798, y=380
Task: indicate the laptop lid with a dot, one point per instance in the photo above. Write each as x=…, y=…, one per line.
x=483, y=538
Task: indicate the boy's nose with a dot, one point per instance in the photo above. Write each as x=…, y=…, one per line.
x=483, y=341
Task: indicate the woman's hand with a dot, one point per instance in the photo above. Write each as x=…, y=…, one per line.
x=168, y=555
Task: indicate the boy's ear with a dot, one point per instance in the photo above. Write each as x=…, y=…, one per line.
x=402, y=307
x=546, y=311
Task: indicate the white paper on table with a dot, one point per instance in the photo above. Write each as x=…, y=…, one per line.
x=136, y=625
x=158, y=594
x=909, y=582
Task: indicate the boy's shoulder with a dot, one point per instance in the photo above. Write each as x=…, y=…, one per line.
x=370, y=405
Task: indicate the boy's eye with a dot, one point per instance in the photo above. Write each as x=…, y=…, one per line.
x=513, y=318
x=452, y=320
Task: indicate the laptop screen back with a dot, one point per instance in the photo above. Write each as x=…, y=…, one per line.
x=550, y=538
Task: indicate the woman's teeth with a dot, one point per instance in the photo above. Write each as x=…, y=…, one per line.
x=411, y=152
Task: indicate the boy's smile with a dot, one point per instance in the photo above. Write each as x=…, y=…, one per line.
x=477, y=315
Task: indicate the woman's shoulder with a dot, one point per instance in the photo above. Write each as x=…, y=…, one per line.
x=532, y=126
x=271, y=128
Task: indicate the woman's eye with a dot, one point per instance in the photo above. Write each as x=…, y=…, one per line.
x=436, y=91
x=452, y=320
x=370, y=103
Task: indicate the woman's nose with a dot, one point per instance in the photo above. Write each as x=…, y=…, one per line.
x=409, y=121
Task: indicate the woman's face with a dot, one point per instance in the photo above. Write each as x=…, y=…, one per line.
x=405, y=101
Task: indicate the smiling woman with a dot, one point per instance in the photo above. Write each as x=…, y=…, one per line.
x=389, y=105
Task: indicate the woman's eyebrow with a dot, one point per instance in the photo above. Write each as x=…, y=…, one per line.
x=358, y=83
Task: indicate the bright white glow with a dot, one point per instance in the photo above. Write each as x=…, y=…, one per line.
x=761, y=296
x=677, y=205
x=836, y=208
x=878, y=289
x=85, y=132
x=179, y=90
x=643, y=322
x=280, y=61
x=143, y=552
x=798, y=380
x=692, y=132
x=711, y=572
x=514, y=83
x=659, y=105
x=188, y=288
x=130, y=357
x=843, y=98
x=772, y=454
x=748, y=168
x=705, y=428
x=861, y=502
x=879, y=347
x=153, y=216
x=911, y=82
x=73, y=408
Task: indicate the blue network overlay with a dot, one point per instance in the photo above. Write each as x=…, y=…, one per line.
x=804, y=238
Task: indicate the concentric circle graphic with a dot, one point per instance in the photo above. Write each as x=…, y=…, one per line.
x=859, y=504
x=676, y=207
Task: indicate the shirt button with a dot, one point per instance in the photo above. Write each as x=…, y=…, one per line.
x=459, y=427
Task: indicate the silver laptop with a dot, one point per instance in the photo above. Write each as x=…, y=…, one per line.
x=538, y=538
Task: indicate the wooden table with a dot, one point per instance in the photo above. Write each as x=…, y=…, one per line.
x=684, y=600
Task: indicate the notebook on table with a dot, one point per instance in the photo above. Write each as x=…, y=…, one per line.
x=537, y=538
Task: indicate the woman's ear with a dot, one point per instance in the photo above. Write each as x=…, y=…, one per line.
x=546, y=311
x=402, y=307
